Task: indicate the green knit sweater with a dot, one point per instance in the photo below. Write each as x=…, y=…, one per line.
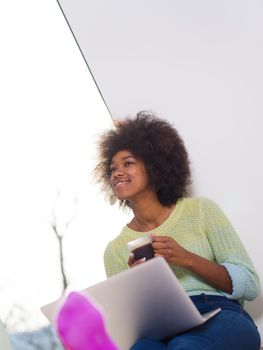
x=201, y=227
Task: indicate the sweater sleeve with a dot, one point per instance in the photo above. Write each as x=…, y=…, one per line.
x=243, y=282
x=112, y=262
x=230, y=252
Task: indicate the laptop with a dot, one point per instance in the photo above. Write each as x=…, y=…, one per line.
x=146, y=301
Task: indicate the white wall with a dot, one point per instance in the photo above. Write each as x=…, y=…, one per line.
x=198, y=64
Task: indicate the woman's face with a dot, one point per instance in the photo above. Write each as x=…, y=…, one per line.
x=129, y=179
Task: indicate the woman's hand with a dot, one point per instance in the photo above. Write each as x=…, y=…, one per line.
x=215, y=274
x=171, y=251
x=132, y=262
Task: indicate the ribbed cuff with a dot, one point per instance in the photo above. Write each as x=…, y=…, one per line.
x=238, y=275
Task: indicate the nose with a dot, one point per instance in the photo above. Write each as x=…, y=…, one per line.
x=117, y=173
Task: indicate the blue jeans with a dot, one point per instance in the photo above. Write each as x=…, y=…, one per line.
x=231, y=329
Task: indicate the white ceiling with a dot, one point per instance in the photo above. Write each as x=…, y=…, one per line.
x=165, y=54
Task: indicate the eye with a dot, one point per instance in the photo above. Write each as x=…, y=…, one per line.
x=112, y=169
x=128, y=163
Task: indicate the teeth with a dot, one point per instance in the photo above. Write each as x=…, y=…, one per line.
x=121, y=182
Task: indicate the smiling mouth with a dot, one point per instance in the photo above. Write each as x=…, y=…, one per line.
x=120, y=183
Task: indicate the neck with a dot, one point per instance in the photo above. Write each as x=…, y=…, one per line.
x=149, y=213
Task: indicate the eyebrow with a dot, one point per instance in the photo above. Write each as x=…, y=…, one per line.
x=112, y=162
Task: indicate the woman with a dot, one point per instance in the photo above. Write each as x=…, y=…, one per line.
x=144, y=165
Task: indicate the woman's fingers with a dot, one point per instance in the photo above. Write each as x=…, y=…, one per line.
x=138, y=262
x=132, y=262
x=169, y=249
x=163, y=252
x=162, y=239
x=163, y=243
x=160, y=245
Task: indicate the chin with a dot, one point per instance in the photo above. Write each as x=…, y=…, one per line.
x=122, y=196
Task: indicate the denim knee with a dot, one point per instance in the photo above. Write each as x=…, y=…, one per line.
x=228, y=330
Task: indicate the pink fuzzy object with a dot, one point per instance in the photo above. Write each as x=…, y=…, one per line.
x=80, y=325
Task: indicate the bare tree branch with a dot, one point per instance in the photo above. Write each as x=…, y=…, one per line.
x=60, y=235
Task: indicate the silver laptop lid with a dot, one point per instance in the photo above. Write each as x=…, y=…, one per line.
x=145, y=301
